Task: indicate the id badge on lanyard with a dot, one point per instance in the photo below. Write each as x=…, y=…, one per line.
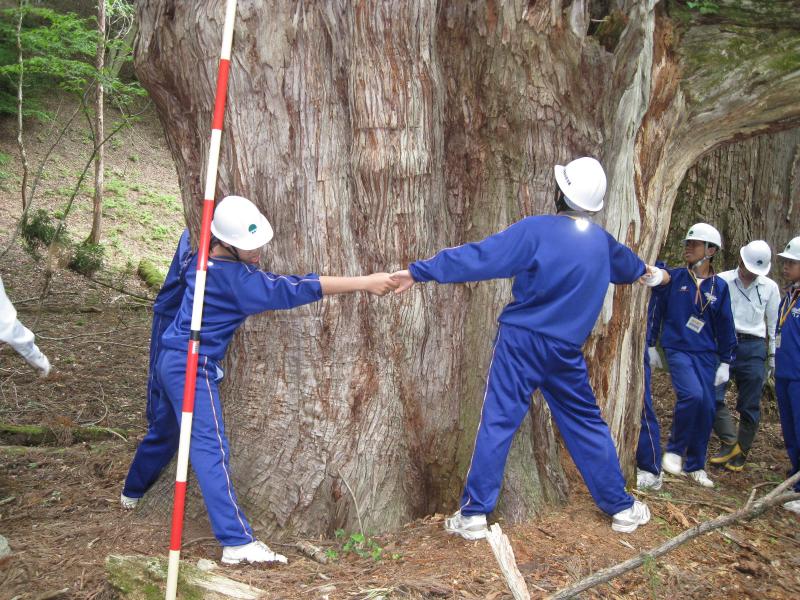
x=777, y=341
x=695, y=324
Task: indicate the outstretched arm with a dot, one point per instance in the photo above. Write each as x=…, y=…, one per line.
x=379, y=284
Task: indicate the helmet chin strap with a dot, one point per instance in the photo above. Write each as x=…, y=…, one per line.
x=702, y=261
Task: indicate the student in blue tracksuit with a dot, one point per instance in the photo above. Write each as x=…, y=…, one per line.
x=699, y=340
x=648, y=450
x=160, y=443
x=235, y=288
x=787, y=361
x=562, y=265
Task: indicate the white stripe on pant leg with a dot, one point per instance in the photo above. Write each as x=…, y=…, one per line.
x=222, y=451
x=152, y=374
x=483, y=403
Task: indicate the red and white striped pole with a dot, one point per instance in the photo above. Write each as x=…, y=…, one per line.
x=197, y=307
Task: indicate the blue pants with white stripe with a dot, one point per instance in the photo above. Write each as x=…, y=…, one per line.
x=161, y=441
x=209, y=453
x=692, y=376
x=648, y=452
x=523, y=361
x=788, y=393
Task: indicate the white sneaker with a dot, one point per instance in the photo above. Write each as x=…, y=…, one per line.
x=672, y=463
x=470, y=527
x=793, y=506
x=40, y=362
x=629, y=519
x=701, y=477
x=127, y=502
x=645, y=480
x=254, y=552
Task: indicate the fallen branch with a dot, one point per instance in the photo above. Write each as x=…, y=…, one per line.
x=311, y=551
x=35, y=435
x=355, y=502
x=504, y=553
x=775, y=497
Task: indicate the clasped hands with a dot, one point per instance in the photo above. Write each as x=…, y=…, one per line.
x=381, y=284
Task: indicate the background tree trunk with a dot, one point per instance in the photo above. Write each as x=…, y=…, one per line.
x=375, y=133
x=749, y=190
x=99, y=128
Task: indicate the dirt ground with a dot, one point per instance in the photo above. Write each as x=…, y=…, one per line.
x=59, y=502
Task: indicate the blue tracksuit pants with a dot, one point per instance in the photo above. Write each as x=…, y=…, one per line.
x=209, y=453
x=161, y=441
x=648, y=452
x=523, y=361
x=788, y=393
x=692, y=376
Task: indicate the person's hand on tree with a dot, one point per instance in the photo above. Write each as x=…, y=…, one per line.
x=379, y=284
x=403, y=279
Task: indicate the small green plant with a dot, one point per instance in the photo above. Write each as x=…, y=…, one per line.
x=704, y=7
x=359, y=544
x=332, y=554
x=650, y=569
x=87, y=258
x=39, y=228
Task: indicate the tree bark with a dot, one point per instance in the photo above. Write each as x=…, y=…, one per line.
x=374, y=133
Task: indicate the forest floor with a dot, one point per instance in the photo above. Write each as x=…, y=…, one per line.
x=59, y=502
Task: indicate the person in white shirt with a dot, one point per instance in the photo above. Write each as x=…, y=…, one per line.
x=754, y=301
x=19, y=337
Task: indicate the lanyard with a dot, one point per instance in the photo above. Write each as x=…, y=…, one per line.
x=697, y=297
x=755, y=283
x=790, y=300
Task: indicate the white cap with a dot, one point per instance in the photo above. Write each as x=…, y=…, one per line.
x=792, y=250
x=757, y=257
x=583, y=182
x=704, y=233
x=238, y=222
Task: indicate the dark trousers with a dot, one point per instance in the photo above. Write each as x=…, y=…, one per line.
x=748, y=371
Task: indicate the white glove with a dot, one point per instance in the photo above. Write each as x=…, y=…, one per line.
x=655, y=279
x=723, y=374
x=655, y=358
x=39, y=361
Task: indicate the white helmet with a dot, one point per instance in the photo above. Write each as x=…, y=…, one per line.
x=756, y=257
x=704, y=233
x=792, y=250
x=583, y=182
x=238, y=222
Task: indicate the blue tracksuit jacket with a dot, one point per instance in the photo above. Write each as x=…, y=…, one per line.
x=561, y=273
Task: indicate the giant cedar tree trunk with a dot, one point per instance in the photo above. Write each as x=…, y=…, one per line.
x=374, y=133
x=749, y=189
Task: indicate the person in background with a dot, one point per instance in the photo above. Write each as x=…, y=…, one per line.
x=699, y=340
x=787, y=361
x=648, y=450
x=754, y=302
x=156, y=450
x=19, y=337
